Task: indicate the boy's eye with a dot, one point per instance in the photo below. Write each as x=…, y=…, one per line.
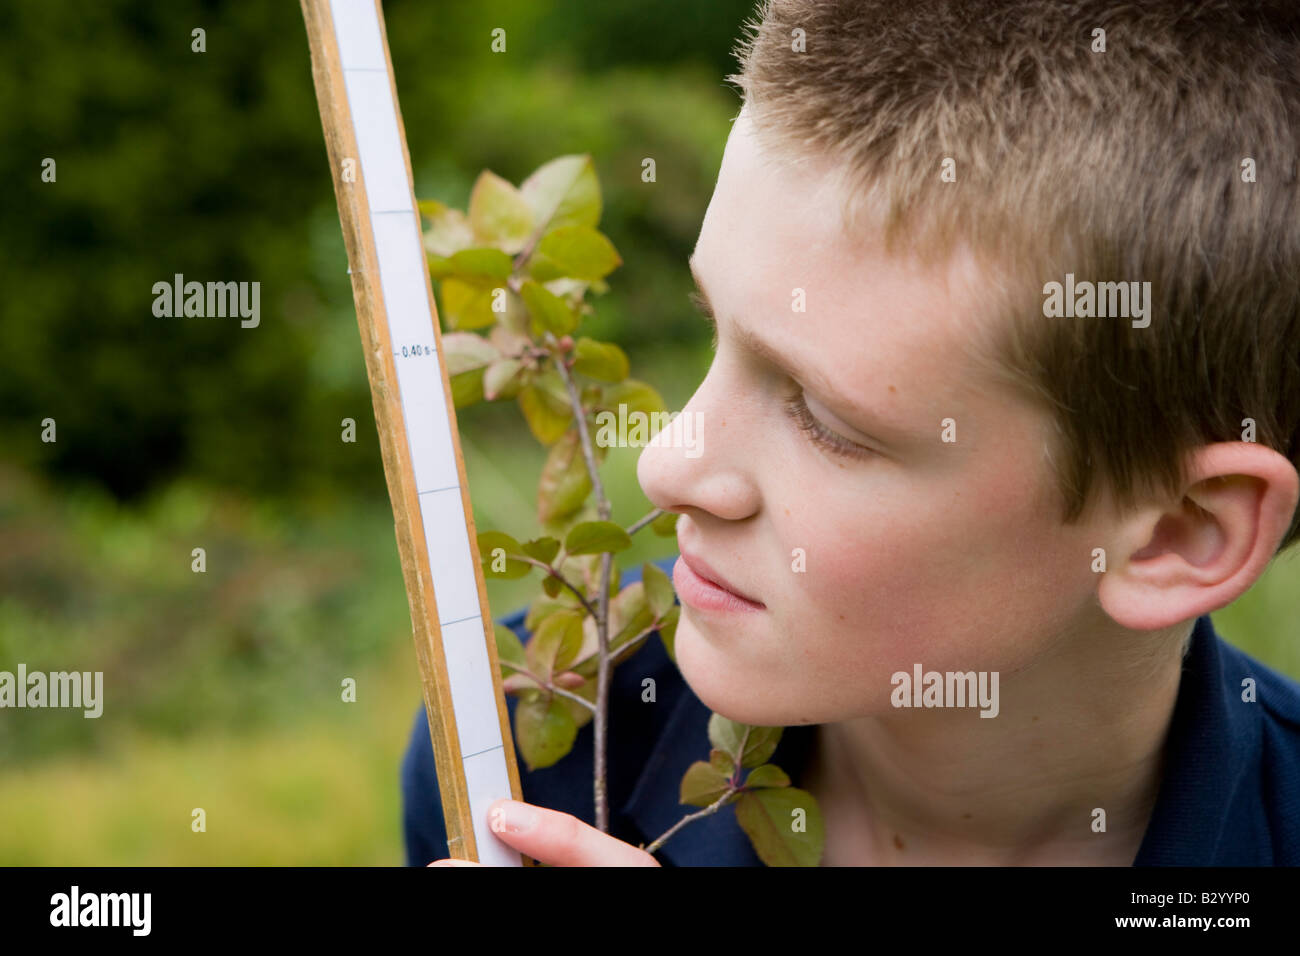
x=797, y=409
x=795, y=406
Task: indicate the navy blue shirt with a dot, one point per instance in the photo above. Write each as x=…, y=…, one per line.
x=1230, y=794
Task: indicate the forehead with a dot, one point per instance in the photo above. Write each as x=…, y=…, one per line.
x=894, y=335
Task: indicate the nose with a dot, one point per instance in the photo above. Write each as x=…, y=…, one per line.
x=708, y=458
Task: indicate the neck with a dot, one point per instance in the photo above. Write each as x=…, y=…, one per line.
x=1080, y=730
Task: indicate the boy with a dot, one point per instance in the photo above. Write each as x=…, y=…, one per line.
x=1007, y=300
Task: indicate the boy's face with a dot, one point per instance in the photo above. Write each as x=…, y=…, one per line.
x=947, y=554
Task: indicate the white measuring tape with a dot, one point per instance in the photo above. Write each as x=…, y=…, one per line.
x=454, y=635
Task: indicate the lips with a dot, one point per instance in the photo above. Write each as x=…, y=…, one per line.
x=704, y=570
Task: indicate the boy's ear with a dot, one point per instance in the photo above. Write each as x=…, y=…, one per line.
x=1177, y=562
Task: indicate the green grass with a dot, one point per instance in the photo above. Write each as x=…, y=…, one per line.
x=320, y=792
x=222, y=689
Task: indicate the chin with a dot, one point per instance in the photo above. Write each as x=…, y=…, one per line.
x=716, y=682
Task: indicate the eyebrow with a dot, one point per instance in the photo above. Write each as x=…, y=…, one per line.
x=773, y=356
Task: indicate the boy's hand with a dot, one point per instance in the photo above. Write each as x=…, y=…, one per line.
x=558, y=839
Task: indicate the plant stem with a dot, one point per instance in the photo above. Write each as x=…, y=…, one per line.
x=714, y=807
x=551, y=686
x=624, y=650
x=559, y=577
x=645, y=521
x=602, y=596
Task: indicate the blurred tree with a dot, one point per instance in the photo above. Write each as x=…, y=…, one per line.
x=212, y=165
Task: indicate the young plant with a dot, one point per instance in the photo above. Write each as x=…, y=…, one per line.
x=513, y=273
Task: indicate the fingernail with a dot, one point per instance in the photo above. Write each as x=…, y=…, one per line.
x=518, y=817
x=451, y=863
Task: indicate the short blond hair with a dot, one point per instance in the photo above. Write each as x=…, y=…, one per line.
x=1124, y=163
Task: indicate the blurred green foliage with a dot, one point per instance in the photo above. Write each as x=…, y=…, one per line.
x=223, y=689
x=213, y=165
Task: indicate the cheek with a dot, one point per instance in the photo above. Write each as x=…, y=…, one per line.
x=951, y=580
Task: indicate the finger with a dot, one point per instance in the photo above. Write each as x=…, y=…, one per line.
x=453, y=862
x=560, y=839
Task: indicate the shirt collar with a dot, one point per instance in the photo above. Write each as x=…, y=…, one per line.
x=1213, y=741
x=1211, y=744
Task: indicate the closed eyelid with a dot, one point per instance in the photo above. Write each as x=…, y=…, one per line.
x=747, y=341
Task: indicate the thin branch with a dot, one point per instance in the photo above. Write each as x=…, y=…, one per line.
x=645, y=521
x=580, y=420
x=559, y=577
x=602, y=596
x=714, y=807
x=606, y=563
x=624, y=650
x=551, y=686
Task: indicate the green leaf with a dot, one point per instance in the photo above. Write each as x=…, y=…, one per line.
x=768, y=775
x=581, y=715
x=466, y=355
x=465, y=351
x=550, y=381
x=658, y=589
x=601, y=360
x=467, y=388
x=509, y=648
x=636, y=395
x=593, y=537
x=629, y=614
x=665, y=526
x=551, y=585
x=544, y=549
x=576, y=252
x=508, y=341
x=725, y=734
x=565, y=481
x=702, y=784
x=499, y=214
x=563, y=192
x=722, y=762
x=513, y=682
x=539, y=609
x=468, y=304
x=449, y=229
x=588, y=660
x=544, y=730
x=498, y=539
x=503, y=379
x=555, y=643
x=570, y=291
x=487, y=263
x=584, y=571
x=768, y=818
x=547, y=419
x=549, y=312
x=488, y=543
x=759, y=745
x=668, y=631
